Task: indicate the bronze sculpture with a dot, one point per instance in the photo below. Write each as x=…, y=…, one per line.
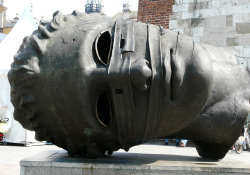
x=92, y=85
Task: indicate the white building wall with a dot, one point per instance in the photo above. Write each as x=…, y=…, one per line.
x=1, y=20
x=222, y=23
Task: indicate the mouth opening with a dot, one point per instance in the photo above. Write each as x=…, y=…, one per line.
x=103, y=110
x=171, y=78
x=122, y=43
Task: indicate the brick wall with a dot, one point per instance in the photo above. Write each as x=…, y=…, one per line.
x=155, y=11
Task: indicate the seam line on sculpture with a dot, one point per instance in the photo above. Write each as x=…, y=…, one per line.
x=177, y=42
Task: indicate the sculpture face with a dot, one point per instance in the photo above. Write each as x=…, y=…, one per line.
x=90, y=84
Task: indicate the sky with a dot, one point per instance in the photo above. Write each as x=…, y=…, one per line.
x=46, y=8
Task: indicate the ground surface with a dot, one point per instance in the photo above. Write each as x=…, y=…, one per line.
x=10, y=156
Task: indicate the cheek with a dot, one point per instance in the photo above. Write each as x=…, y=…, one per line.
x=202, y=71
x=231, y=114
x=197, y=78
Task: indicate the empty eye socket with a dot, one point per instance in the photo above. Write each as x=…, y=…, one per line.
x=103, y=47
x=103, y=109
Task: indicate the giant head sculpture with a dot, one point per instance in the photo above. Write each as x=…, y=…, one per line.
x=92, y=85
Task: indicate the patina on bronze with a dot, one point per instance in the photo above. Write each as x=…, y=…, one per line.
x=92, y=85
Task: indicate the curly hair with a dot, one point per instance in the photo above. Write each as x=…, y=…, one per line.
x=25, y=73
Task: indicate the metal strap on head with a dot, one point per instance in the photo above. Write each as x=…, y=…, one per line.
x=121, y=88
x=128, y=35
x=154, y=106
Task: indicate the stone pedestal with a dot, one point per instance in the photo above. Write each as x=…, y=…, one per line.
x=59, y=163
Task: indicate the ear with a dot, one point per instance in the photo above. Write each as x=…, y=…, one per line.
x=103, y=46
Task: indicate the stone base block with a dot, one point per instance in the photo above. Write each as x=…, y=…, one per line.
x=59, y=163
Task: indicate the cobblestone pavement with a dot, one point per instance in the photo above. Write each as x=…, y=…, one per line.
x=10, y=156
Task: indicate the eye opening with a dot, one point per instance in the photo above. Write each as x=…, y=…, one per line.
x=103, y=109
x=103, y=45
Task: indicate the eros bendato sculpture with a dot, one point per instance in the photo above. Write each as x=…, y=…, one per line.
x=92, y=85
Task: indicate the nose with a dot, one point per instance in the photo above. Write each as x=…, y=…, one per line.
x=122, y=75
x=99, y=79
x=140, y=74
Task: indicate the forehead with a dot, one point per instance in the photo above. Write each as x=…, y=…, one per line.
x=26, y=51
x=81, y=21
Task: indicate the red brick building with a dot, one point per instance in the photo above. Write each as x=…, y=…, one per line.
x=155, y=11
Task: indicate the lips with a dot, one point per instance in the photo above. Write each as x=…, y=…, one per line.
x=21, y=74
x=173, y=77
x=22, y=77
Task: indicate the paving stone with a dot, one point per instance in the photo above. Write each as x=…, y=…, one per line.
x=198, y=31
x=235, y=2
x=236, y=18
x=215, y=4
x=177, y=2
x=196, y=39
x=246, y=8
x=201, y=5
x=208, y=4
x=181, y=31
x=177, y=8
x=219, y=42
x=232, y=41
x=244, y=40
x=243, y=28
x=187, y=1
x=240, y=49
x=229, y=20
x=208, y=23
x=220, y=11
x=246, y=52
x=184, y=7
x=245, y=17
x=175, y=16
x=194, y=13
x=242, y=2
x=191, y=6
x=207, y=12
x=186, y=15
x=226, y=3
x=172, y=24
x=183, y=23
x=234, y=10
x=225, y=32
x=218, y=21
x=206, y=32
x=197, y=22
x=241, y=61
x=188, y=31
